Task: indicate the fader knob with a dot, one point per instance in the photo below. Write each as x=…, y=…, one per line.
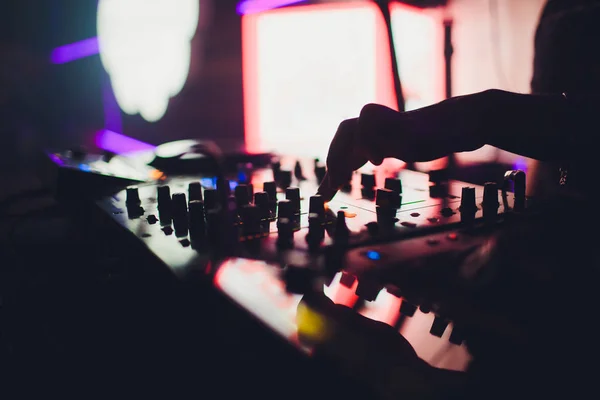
x=285, y=179
x=261, y=200
x=490, y=202
x=179, y=205
x=367, y=181
x=293, y=195
x=271, y=189
x=299, y=279
x=163, y=194
x=133, y=196
x=211, y=199
x=393, y=184
x=467, y=200
x=194, y=191
x=196, y=216
x=251, y=218
x=341, y=232
x=285, y=209
x=438, y=327
x=242, y=195
x=298, y=173
x=316, y=205
x=387, y=198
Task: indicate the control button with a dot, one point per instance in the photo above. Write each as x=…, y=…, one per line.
x=163, y=194
x=408, y=224
x=452, y=236
x=457, y=336
x=276, y=168
x=373, y=255
x=261, y=200
x=197, y=222
x=368, y=290
x=407, y=308
x=387, y=198
x=242, y=195
x=438, y=327
x=133, y=196
x=298, y=171
x=433, y=220
x=168, y=230
x=211, y=199
x=393, y=184
x=285, y=209
x=251, y=220
x=425, y=308
x=490, y=202
x=367, y=181
x=415, y=214
x=194, y=191
x=467, y=200
x=285, y=179
x=316, y=205
x=447, y=212
x=151, y=219
x=298, y=279
x=293, y=195
x=179, y=205
x=271, y=189
x=285, y=233
x=341, y=232
x=316, y=231
x=349, y=214
x=347, y=280
x=438, y=176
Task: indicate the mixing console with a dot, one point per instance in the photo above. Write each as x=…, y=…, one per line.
x=392, y=243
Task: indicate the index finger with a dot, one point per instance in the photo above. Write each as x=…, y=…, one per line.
x=326, y=189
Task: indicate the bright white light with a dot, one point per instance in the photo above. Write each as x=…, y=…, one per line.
x=316, y=66
x=145, y=47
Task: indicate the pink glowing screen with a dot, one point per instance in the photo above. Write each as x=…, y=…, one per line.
x=308, y=67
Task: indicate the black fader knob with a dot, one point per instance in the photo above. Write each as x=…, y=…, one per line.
x=367, y=181
x=293, y=195
x=211, y=199
x=438, y=327
x=320, y=171
x=133, y=196
x=261, y=200
x=242, y=195
x=316, y=205
x=251, y=221
x=196, y=217
x=490, y=202
x=179, y=205
x=467, y=200
x=285, y=209
x=285, y=178
x=393, y=184
x=387, y=198
x=194, y=191
x=163, y=194
x=298, y=173
x=341, y=232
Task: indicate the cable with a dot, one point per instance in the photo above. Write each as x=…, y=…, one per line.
x=384, y=7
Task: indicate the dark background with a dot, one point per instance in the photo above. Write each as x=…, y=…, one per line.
x=59, y=106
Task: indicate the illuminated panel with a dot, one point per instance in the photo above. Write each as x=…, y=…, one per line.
x=419, y=41
x=74, y=51
x=145, y=47
x=306, y=69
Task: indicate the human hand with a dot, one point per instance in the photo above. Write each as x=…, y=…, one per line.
x=371, y=352
x=454, y=125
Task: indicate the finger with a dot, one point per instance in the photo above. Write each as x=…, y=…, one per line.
x=326, y=189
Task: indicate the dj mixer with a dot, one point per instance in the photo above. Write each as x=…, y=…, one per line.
x=399, y=246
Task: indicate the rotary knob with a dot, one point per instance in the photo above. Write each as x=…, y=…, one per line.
x=393, y=184
x=194, y=191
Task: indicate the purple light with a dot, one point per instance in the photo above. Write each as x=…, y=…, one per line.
x=520, y=164
x=254, y=6
x=74, y=51
x=120, y=144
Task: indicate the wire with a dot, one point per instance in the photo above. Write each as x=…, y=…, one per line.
x=496, y=46
x=384, y=7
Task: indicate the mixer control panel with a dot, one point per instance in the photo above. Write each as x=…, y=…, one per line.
x=388, y=236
